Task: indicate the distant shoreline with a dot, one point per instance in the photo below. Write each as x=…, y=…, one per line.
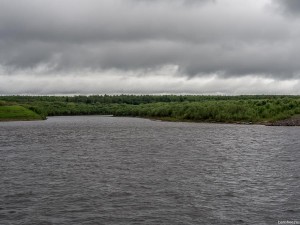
x=290, y=122
x=294, y=121
x=270, y=110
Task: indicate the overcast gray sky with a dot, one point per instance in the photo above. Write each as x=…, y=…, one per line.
x=149, y=46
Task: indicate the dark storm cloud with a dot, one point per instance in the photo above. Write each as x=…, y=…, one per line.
x=227, y=37
x=176, y=1
x=289, y=6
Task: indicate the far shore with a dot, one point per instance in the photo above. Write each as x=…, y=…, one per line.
x=270, y=110
x=293, y=121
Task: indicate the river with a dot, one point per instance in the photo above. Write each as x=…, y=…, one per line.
x=110, y=170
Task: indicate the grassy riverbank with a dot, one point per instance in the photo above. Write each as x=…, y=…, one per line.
x=223, y=109
x=17, y=113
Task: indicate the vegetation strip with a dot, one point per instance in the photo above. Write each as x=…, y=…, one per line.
x=15, y=112
x=222, y=109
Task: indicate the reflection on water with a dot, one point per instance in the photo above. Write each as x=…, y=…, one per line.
x=106, y=170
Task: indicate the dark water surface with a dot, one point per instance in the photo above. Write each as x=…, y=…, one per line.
x=106, y=170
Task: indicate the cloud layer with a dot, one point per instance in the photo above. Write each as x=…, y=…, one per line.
x=226, y=39
x=289, y=6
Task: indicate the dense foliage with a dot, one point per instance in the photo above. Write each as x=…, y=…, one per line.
x=169, y=107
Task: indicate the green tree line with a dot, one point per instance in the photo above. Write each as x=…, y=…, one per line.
x=255, y=109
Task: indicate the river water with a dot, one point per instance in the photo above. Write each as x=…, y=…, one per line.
x=105, y=170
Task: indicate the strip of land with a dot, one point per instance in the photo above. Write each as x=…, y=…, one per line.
x=261, y=109
x=293, y=121
x=17, y=113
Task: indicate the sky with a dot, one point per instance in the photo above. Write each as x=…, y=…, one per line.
x=222, y=47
